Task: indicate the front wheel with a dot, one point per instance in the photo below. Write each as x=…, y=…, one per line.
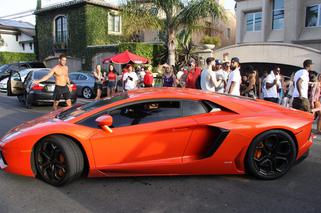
x=271, y=155
x=58, y=160
x=28, y=100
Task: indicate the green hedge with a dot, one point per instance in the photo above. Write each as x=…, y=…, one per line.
x=150, y=51
x=9, y=57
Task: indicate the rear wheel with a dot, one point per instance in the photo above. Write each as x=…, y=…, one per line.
x=87, y=93
x=271, y=155
x=21, y=99
x=58, y=160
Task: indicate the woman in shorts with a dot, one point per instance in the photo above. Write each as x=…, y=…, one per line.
x=112, y=78
x=98, y=81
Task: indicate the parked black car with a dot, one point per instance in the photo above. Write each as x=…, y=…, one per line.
x=14, y=67
x=29, y=93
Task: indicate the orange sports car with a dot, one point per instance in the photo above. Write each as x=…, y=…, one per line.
x=159, y=131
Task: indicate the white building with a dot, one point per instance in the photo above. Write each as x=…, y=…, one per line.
x=284, y=32
x=16, y=36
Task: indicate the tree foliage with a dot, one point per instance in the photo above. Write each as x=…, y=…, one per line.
x=177, y=15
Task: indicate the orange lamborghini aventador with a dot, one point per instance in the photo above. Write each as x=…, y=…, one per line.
x=160, y=131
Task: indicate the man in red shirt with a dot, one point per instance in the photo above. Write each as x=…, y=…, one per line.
x=193, y=74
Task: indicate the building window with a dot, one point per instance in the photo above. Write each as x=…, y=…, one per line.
x=30, y=45
x=23, y=46
x=313, y=16
x=113, y=23
x=278, y=15
x=61, y=30
x=228, y=33
x=253, y=21
x=17, y=37
x=208, y=29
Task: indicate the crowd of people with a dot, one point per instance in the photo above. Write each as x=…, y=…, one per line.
x=300, y=91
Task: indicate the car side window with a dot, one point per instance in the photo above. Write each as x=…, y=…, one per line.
x=73, y=77
x=28, y=77
x=146, y=113
x=193, y=108
x=16, y=76
x=139, y=113
x=82, y=77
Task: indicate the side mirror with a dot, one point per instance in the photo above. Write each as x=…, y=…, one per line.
x=105, y=121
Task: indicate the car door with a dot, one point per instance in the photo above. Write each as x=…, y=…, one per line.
x=85, y=81
x=15, y=85
x=147, y=137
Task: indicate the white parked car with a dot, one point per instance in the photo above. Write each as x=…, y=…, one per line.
x=4, y=82
x=3, y=85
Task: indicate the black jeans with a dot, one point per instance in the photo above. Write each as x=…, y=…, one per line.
x=302, y=104
x=274, y=100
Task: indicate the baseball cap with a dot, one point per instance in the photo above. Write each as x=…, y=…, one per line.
x=235, y=59
x=218, y=62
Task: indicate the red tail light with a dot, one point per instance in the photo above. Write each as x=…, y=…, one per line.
x=37, y=87
x=74, y=87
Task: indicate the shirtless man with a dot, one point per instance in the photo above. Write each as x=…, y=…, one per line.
x=62, y=85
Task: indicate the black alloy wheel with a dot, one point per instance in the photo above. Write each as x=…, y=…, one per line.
x=271, y=155
x=58, y=160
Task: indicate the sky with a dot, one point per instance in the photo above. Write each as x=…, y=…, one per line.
x=9, y=7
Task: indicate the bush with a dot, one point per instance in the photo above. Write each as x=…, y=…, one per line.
x=211, y=40
x=9, y=57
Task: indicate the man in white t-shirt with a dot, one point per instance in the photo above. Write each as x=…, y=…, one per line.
x=220, y=76
x=301, y=85
x=234, y=80
x=271, y=85
x=208, y=77
x=130, y=79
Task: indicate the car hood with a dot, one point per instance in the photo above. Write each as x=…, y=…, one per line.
x=26, y=126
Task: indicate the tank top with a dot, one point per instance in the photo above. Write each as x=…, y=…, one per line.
x=168, y=81
x=111, y=76
x=98, y=80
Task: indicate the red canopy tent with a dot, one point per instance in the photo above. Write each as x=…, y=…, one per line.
x=125, y=58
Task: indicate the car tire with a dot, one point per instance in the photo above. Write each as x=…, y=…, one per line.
x=87, y=93
x=58, y=160
x=270, y=155
x=21, y=99
x=28, y=100
x=74, y=100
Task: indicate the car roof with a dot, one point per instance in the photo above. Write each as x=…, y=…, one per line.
x=35, y=69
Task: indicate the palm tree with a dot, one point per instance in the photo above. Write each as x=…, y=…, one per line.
x=177, y=15
x=185, y=47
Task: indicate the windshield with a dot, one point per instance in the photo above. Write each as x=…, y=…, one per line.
x=41, y=73
x=37, y=65
x=77, y=110
x=4, y=67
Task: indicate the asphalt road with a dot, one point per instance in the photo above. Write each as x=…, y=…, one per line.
x=298, y=191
